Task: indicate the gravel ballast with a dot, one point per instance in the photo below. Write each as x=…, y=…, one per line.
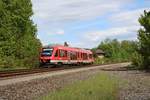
x=138, y=86
x=135, y=85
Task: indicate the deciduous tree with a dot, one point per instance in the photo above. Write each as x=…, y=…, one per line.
x=18, y=41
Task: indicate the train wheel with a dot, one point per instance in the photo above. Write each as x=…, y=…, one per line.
x=41, y=64
x=78, y=63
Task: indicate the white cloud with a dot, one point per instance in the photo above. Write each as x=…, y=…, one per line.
x=58, y=11
x=60, y=32
x=112, y=32
x=127, y=18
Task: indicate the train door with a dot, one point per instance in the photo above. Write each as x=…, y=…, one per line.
x=63, y=56
x=56, y=55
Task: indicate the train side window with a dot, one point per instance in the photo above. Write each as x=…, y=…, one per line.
x=85, y=56
x=66, y=53
x=90, y=56
x=78, y=55
x=71, y=55
x=82, y=55
x=56, y=53
x=63, y=53
x=75, y=55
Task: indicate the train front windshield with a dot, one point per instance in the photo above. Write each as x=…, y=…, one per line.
x=47, y=52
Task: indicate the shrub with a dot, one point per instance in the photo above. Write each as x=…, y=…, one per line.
x=137, y=60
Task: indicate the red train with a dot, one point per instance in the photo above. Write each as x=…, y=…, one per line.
x=59, y=55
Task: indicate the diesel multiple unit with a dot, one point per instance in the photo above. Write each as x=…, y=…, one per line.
x=59, y=55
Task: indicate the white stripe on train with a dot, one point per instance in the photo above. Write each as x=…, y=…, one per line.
x=69, y=61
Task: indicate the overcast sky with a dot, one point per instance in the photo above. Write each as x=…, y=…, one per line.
x=85, y=23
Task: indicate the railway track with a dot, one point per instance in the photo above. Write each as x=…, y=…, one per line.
x=27, y=71
x=19, y=72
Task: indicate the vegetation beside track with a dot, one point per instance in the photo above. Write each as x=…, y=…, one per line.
x=105, y=60
x=19, y=46
x=116, y=51
x=99, y=87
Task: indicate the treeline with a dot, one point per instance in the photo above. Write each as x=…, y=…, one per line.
x=19, y=46
x=118, y=51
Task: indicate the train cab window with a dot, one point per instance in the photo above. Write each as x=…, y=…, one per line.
x=47, y=52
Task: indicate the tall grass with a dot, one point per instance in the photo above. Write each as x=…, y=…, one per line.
x=108, y=60
x=99, y=87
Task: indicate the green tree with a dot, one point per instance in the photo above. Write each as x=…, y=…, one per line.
x=144, y=40
x=19, y=45
x=118, y=50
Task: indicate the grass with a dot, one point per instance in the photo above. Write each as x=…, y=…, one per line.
x=99, y=87
x=11, y=69
x=109, y=60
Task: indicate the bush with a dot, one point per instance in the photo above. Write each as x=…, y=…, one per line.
x=99, y=61
x=137, y=60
